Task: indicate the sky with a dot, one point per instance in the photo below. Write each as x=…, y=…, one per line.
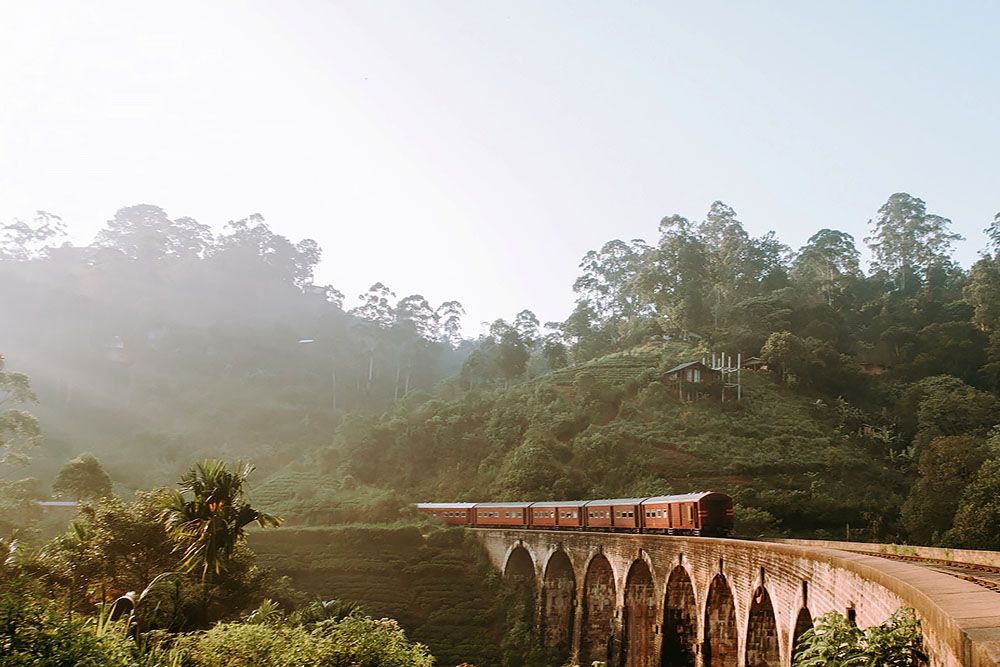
x=476, y=150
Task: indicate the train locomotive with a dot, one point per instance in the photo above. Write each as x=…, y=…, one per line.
x=705, y=513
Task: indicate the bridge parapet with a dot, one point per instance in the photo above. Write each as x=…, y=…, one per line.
x=648, y=600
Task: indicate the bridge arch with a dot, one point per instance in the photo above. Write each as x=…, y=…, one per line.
x=597, y=634
x=721, y=646
x=639, y=617
x=763, y=648
x=680, y=620
x=558, y=603
x=803, y=623
x=520, y=567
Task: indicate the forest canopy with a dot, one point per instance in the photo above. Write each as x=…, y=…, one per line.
x=161, y=342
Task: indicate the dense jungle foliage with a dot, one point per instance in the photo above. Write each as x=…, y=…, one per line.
x=869, y=411
x=168, y=579
x=161, y=342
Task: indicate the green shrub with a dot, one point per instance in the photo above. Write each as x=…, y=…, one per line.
x=355, y=640
x=835, y=641
x=34, y=633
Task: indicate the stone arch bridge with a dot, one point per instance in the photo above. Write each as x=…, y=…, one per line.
x=630, y=600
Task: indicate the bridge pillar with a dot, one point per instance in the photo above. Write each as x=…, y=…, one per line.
x=558, y=603
x=599, y=630
x=680, y=619
x=720, y=646
x=641, y=613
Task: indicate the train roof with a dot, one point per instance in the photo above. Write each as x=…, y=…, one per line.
x=503, y=504
x=616, y=501
x=445, y=506
x=683, y=498
x=561, y=503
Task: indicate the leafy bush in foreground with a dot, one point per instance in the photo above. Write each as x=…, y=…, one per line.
x=837, y=642
x=355, y=640
x=34, y=632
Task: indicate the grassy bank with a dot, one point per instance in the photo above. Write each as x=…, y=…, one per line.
x=439, y=586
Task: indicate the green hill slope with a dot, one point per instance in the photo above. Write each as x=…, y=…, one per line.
x=606, y=428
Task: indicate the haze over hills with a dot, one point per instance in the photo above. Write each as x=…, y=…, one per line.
x=494, y=268
x=161, y=343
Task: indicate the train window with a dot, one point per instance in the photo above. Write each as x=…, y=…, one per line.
x=631, y=514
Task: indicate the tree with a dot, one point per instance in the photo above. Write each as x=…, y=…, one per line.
x=20, y=241
x=906, y=241
x=19, y=431
x=83, y=478
x=526, y=325
x=449, y=315
x=376, y=306
x=993, y=234
x=946, y=467
x=119, y=546
x=786, y=352
x=251, y=240
x=983, y=293
x=554, y=351
x=146, y=232
x=606, y=285
x=947, y=406
x=827, y=263
x=739, y=267
x=415, y=313
x=675, y=277
x=977, y=520
x=208, y=517
x=511, y=351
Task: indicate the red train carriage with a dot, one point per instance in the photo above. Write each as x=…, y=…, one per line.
x=693, y=514
x=614, y=513
x=501, y=514
x=598, y=517
x=455, y=514
x=558, y=514
x=706, y=513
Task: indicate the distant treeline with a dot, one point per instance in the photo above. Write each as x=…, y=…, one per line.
x=162, y=338
x=161, y=342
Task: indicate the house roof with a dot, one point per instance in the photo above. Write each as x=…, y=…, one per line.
x=686, y=365
x=58, y=503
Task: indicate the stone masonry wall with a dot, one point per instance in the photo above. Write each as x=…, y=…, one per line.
x=621, y=608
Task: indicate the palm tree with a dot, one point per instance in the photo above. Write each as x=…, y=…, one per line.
x=208, y=516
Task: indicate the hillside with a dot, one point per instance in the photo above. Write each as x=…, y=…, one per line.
x=607, y=427
x=438, y=584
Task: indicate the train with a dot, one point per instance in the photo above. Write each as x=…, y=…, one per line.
x=705, y=513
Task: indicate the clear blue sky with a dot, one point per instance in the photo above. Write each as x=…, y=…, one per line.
x=475, y=150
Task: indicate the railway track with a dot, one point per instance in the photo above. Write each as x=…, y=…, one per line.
x=986, y=576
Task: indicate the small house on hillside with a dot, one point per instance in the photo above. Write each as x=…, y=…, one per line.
x=690, y=379
x=754, y=364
